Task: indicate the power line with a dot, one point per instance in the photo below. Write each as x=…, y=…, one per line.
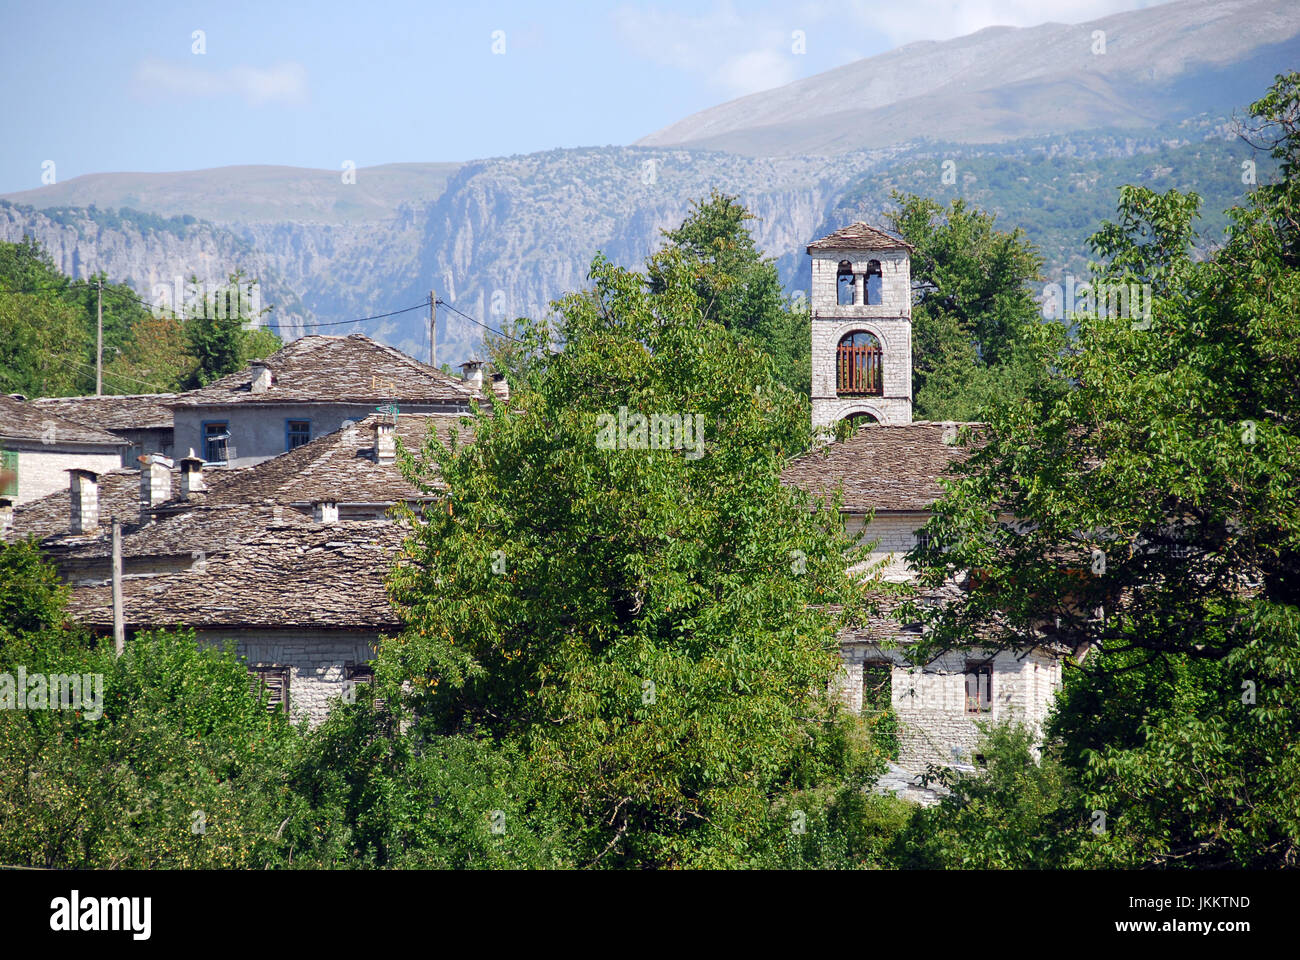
x=108, y=373
x=313, y=324
x=379, y=316
x=499, y=333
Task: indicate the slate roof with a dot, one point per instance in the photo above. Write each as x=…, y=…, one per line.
x=119, y=496
x=339, y=466
x=333, y=369
x=21, y=420
x=138, y=411
x=881, y=467
x=280, y=572
x=859, y=236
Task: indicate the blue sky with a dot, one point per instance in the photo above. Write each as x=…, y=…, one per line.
x=101, y=87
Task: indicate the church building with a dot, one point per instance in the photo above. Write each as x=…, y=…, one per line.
x=887, y=472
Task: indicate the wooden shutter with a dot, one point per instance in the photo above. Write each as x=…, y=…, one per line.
x=271, y=680
x=9, y=473
x=979, y=687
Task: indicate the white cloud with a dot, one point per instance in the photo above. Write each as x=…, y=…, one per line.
x=945, y=19
x=736, y=54
x=280, y=83
x=743, y=53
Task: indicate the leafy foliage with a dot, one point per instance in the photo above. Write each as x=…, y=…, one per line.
x=50, y=324
x=974, y=311
x=1154, y=481
x=647, y=628
x=737, y=287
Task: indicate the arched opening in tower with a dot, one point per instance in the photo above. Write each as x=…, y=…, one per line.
x=844, y=284
x=858, y=365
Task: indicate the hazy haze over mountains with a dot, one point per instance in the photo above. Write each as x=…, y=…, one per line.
x=1158, y=64
x=503, y=236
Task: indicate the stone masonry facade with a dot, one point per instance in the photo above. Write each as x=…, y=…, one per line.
x=889, y=321
x=317, y=661
x=936, y=723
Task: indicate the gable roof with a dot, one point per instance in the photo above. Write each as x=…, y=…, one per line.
x=136, y=411
x=859, y=236
x=332, y=369
x=119, y=496
x=20, y=420
x=284, y=571
x=882, y=467
x=339, y=466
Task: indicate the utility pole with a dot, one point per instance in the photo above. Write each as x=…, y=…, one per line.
x=433, y=329
x=119, y=630
x=99, y=340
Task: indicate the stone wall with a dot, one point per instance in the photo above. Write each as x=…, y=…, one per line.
x=889, y=321
x=317, y=661
x=930, y=700
x=42, y=471
x=894, y=534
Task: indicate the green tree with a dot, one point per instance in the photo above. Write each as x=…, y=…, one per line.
x=1018, y=812
x=651, y=628
x=171, y=762
x=217, y=334
x=973, y=310
x=1154, y=486
x=52, y=321
x=737, y=286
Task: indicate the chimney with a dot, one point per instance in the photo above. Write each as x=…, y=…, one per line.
x=385, y=442
x=155, y=480
x=192, y=476
x=261, y=377
x=471, y=372
x=6, y=517
x=84, y=488
x=325, y=511
x=500, y=387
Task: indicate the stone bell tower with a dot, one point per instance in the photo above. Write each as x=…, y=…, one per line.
x=861, y=327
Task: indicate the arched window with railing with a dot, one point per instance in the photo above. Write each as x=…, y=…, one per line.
x=858, y=367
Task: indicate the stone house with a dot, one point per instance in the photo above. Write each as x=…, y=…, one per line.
x=38, y=447
x=285, y=560
x=143, y=420
x=308, y=389
x=887, y=473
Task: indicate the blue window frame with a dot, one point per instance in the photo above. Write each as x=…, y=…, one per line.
x=296, y=433
x=216, y=439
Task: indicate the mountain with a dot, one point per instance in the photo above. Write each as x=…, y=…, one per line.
x=252, y=194
x=1159, y=64
x=502, y=237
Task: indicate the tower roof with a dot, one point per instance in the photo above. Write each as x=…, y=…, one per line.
x=859, y=236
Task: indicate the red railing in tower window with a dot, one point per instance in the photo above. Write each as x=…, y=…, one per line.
x=858, y=366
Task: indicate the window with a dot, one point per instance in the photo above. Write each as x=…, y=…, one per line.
x=354, y=676
x=979, y=686
x=270, y=681
x=877, y=686
x=844, y=284
x=872, y=283
x=9, y=473
x=296, y=433
x=858, y=365
x=216, y=440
